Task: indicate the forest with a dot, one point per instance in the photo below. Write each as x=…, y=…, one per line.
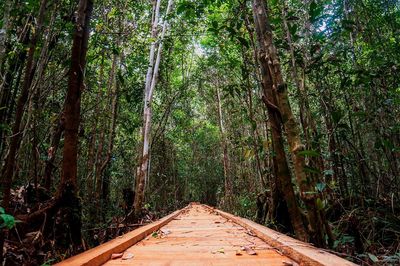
x=114, y=113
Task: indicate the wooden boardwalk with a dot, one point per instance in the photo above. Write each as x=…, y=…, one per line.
x=200, y=235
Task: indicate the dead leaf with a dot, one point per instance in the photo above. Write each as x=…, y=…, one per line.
x=221, y=250
x=165, y=231
x=116, y=256
x=287, y=263
x=127, y=256
x=249, y=250
x=250, y=233
x=217, y=222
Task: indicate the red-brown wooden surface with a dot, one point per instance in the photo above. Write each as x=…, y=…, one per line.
x=200, y=235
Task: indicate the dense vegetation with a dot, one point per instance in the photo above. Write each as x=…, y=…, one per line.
x=115, y=112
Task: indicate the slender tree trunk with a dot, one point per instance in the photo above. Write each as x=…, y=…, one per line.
x=144, y=158
x=52, y=152
x=254, y=130
x=69, y=180
x=226, y=163
x=151, y=80
x=101, y=180
x=91, y=165
x=98, y=176
x=113, y=123
x=280, y=163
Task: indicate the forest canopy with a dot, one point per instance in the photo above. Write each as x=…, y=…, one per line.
x=114, y=113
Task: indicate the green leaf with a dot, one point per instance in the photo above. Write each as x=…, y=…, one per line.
x=328, y=172
x=311, y=170
x=320, y=186
x=310, y=153
x=273, y=2
x=2, y=210
x=373, y=257
x=8, y=221
x=320, y=204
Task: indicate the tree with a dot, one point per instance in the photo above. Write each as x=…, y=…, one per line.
x=67, y=191
x=151, y=81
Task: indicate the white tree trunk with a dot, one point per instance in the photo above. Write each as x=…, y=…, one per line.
x=151, y=81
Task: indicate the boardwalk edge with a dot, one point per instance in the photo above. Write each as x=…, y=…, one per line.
x=303, y=253
x=102, y=253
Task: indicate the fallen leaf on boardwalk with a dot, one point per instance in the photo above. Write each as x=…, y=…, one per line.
x=287, y=263
x=116, y=256
x=238, y=253
x=165, y=231
x=250, y=233
x=221, y=250
x=127, y=256
x=249, y=250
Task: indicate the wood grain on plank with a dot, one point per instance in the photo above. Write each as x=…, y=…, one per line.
x=102, y=253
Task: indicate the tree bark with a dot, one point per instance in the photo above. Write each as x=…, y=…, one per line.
x=225, y=160
x=306, y=183
x=280, y=163
x=69, y=180
x=151, y=80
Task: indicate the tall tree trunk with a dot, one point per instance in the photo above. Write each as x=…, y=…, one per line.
x=151, y=80
x=113, y=123
x=225, y=160
x=98, y=176
x=280, y=163
x=69, y=180
x=144, y=158
x=91, y=164
x=306, y=183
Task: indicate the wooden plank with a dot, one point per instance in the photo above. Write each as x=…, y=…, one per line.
x=202, y=235
x=301, y=252
x=102, y=253
x=199, y=236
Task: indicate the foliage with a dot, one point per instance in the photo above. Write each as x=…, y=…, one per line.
x=7, y=220
x=340, y=60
